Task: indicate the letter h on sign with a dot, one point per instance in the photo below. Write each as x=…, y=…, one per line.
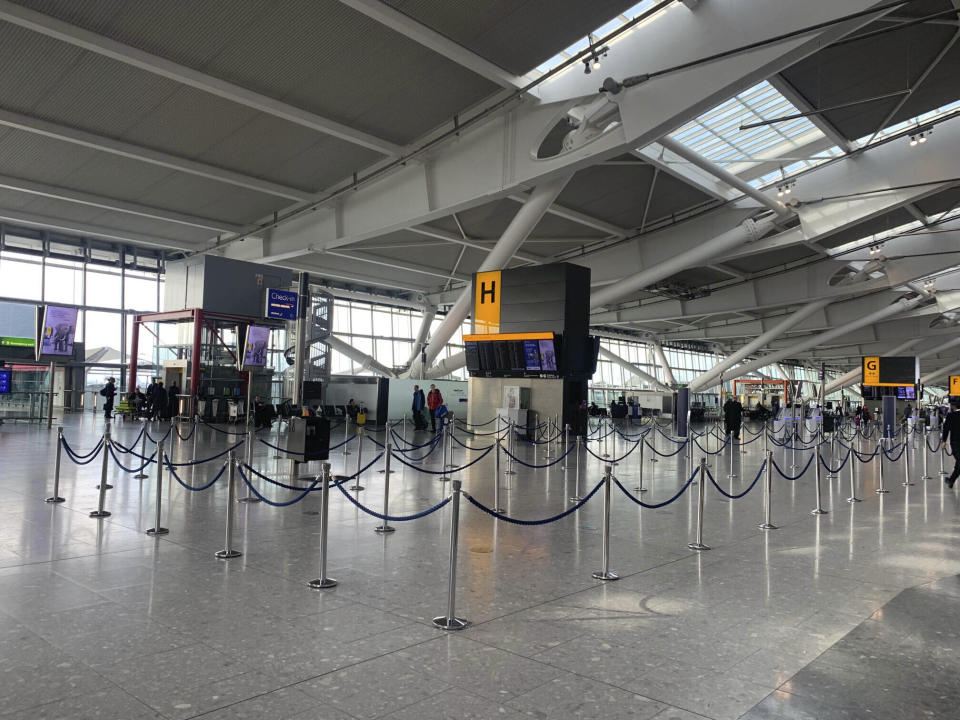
x=488, y=290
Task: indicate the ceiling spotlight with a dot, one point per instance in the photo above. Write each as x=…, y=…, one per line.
x=785, y=188
x=592, y=61
x=920, y=135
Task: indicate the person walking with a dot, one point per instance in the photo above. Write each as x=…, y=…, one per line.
x=419, y=402
x=434, y=400
x=951, y=432
x=174, y=399
x=160, y=402
x=109, y=391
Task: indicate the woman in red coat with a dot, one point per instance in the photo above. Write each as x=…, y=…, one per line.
x=434, y=400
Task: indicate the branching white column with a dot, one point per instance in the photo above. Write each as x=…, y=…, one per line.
x=366, y=362
x=517, y=231
x=662, y=360
x=747, y=231
x=422, y=333
x=706, y=380
x=630, y=367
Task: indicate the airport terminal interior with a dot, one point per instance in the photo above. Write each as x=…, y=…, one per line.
x=444, y=360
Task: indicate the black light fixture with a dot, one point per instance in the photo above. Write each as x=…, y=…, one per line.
x=592, y=61
x=920, y=135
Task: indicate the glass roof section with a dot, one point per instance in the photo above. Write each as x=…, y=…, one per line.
x=580, y=45
x=920, y=120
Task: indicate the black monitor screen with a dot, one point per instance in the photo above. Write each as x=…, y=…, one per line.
x=531, y=354
x=472, y=354
x=906, y=392
x=517, y=363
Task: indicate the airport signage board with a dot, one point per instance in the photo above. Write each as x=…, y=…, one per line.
x=890, y=370
x=281, y=304
x=955, y=385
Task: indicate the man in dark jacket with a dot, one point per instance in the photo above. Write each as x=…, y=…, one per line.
x=160, y=402
x=419, y=402
x=951, y=432
x=732, y=417
x=108, y=391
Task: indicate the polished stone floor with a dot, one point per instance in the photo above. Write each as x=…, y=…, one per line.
x=845, y=615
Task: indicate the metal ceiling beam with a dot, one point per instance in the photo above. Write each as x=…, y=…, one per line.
x=129, y=55
x=398, y=265
x=578, y=217
x=440, y=44
x=130, y=208
x=81, y=229
x=64, y=133
x=469, y=242
x=655, y=155
x=917, y=214
x=781, y=85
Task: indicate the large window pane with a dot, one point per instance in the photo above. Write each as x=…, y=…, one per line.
x=140, y=292
x=21, y=276
x=360, y=320
x=104, y=287
x=64, y=282
x=102, y=331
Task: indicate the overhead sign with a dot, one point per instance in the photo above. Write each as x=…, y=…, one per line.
x=487, y=292
x=955, y=385
x=57, y=331
x=253, y=352
x=281, y=304
x=890, y=371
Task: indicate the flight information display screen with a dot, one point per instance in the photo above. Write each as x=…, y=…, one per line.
x=513, y=355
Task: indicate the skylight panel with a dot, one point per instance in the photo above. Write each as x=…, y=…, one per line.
x=926, y=117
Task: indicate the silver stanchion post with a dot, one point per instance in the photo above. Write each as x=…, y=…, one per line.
x=698, y=543
x=566, y=446
x=818, y=510
x=346, y=435
x=907, y=482
x=55, y=498
x=640, y=488
x=606, y=438
x=357, y=487
x=881, y=489
x=731, y=474
x=853, y=483
x=943, y=472
x=228, y=551
x=450, y=621
x=249, y=498
x=444, y=449
x=323, y=582
x=926, y=452
x=767, y=523
x=143, y=452
x=604, y=573
x=575, y=498
x=510, y=438
x=157, y=529
x=496, y=478
x=387, y=454
x=103, y=486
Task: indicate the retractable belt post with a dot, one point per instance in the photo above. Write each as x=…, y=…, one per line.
x=157, y=529
x=55, y=498
x=450, y=621
x=357, y=487
x=103, y=486
x=387, y=454
x=249, y=497
x=228, y=552
x=698, y=543
x=818, y=510
x=323, y=582
x=604, y=573
x=767, y=523
x=143, y=453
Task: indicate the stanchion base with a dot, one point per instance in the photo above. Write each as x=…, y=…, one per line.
x=767, y=526
x=445, y=623
x=881, y=491
x=109, y=487
x=248, y=499
x=575, y=499
x=227, y=554
x=698, y=546
x=322, y=583
x=384, y=529
x=158, y=531
x=140, y=476
x=819, y=511
x=853, y=499
x=55, y=499
x=100, y=514
x=600, y=575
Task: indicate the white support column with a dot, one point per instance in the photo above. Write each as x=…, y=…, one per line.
x=937, y=374
x=367, y=362
x=784, y=375
x=662, y=361
x=706, y=380
x=422, y=334
x=896, y=308
x=446, y=366
x=747, y=231
x=517, y=231
x=630, y=367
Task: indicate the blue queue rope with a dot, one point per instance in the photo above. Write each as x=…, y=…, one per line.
x=383, y=446
x=132, y=444
x=829, y=469
x=654, y=506
x=272, y=503
x=860, y=456
x=147, y=461
x=434, y=444
x=82, y=456
x=316, y=454
x=189, y=435
x=537, y=467
x=737, y=496
x=469, y=425
x=664, y=454
x=199, y=488
x=163, y=439
x=214, y=457
x=614, y=460
x=514, y=521
x=410, y=445
x=451, y=470
x=393, y=518
x=682, y=441
x=794, y=477
x=468, y=447
x=903, y=449
x=711, y=452
x=934, y=449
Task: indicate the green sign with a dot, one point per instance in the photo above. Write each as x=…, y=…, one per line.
x=17, y=342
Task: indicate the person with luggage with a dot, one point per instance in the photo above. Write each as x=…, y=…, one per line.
x=419, y=403
x=108, y=391
x=434, y=400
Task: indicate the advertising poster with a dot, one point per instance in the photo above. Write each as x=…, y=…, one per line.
x=255, y=347
x=548, y=354
x=57, y=331
x=511, y=397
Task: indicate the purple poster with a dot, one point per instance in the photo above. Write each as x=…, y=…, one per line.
x=58, y=331
x=255, y=347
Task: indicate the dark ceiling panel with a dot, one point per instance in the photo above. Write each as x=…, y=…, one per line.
x=875, y=66
x=490, y=220
x=765, y=261
x=864, y=230
x=515, y=34
x=940, y=203
x=615, y=193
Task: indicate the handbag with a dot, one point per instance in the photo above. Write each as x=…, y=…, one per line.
x=441, y=411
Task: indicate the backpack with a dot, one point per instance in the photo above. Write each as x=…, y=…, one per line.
x=441, y=411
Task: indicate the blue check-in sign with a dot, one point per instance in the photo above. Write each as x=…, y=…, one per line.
x=281, y=304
